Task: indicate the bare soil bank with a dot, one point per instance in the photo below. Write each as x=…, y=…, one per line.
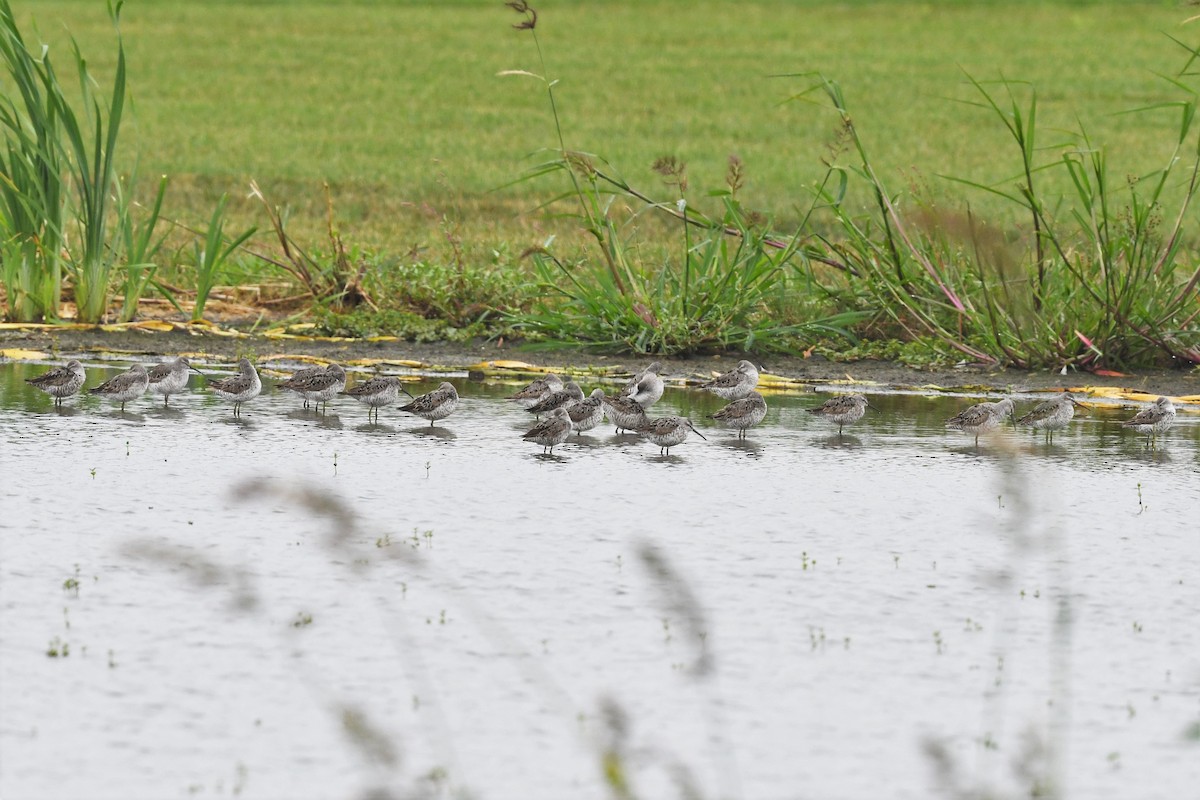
x=459, y=356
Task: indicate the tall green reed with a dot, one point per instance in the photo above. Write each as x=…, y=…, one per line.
x=59, y=177
x=91, y=143
x=31, y=184
x=140, y=246
x=213, y=255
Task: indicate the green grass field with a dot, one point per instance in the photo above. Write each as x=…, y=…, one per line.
x=398, y=105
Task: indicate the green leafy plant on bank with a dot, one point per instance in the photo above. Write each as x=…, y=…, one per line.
x=716, y=294
x=1099, y=284
x=212, y=255
x=141, y=248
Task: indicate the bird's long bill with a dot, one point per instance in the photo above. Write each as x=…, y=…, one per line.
x=410, y=397
x=198, y=372
x=698, y=433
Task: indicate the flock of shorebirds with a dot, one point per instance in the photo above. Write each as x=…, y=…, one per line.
x=568, y=410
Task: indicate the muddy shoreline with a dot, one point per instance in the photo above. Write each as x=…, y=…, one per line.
x=217, y=347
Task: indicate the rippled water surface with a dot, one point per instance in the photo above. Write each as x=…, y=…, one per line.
x=798, y=616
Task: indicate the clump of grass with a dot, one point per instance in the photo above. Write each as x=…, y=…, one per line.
x=716, y=292
x=460, y=294
x=1100, y=284
x=333, y=280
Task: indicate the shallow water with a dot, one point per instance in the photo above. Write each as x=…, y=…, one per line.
x=814, y=612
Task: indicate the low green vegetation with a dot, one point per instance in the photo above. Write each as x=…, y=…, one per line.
x=629, y=176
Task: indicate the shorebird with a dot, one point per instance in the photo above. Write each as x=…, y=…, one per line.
x=1053, y=415
x=124, y=387
x=298, y=378
x=735, y=384
x=553, y=430
x=169, y=378
x=61, y=381
x=538, y=390
x=380, y=391
x=624, y=413
x=317, y=384
x=666, y=432
x=238, y=388
x=323, y=388
x=587, y=413
x=1153, y=420
x=567, y=396
x=646, y=387
x=438, y=404
x=842, y=410
x=743, y=414
x=981, y=418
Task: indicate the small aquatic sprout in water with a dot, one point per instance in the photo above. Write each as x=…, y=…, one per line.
x=302, y=620
x=93, y=473
x=58, y=648
x=1137, y=626
x=112, y=662
x=384, y=541
x=72, y=584
x=1142, y=507
x=937, y=640
x=66, y=618
x=127, y=448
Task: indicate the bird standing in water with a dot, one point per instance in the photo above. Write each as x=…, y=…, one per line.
x=61, y=381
